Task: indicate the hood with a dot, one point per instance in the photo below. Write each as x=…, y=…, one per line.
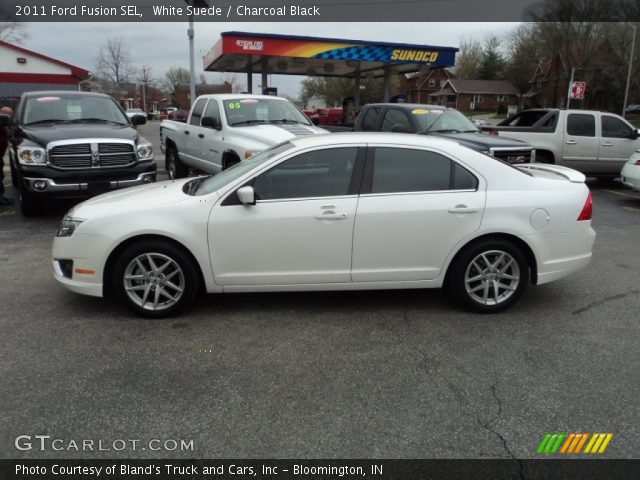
x=270, y=134
x=131, y=199
x=43, y=134
x=482, y=141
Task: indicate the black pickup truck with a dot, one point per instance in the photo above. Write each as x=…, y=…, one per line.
x=74, y=145
x=440, y=121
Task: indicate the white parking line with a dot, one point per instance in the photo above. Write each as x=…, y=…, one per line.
x=631, y=209
x=622, y=194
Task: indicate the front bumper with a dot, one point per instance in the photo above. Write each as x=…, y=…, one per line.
x=50, y=186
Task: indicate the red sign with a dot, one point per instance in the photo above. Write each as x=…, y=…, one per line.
x=577, y=90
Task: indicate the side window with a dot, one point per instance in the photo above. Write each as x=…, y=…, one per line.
x=581, y=125
x=395, y=118
x=371, y=119
x=321, y=173
x=196, y=113
x=212, y=110
x=398, y=170
x=613, y=127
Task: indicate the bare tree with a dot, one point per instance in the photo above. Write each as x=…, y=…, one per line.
x=14, y=32
x=174, y=77
x=469, y=59
x=113, y=63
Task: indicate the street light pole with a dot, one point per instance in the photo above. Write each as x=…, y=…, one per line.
x=573, y=71
x=626, y=90
x=192, y=68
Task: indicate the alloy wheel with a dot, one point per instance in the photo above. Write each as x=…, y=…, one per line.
x=492, y=277
x=154, y=281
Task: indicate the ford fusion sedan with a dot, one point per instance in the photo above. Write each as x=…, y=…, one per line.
x=351, y=211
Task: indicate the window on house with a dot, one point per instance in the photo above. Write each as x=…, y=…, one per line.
x=432, y=83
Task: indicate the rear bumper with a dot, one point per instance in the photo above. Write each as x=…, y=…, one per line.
x=560, y=255
x=630, y=176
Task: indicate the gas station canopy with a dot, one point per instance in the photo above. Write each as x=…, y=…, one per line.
x=296, y=55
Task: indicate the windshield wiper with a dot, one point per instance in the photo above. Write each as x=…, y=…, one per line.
x=50, y=120
x=443, y=130
x=98, y=120
x=248, y=122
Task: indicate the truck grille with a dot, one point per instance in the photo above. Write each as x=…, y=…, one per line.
x=92, y=155
x=513, y=156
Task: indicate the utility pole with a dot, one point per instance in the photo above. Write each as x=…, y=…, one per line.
x=192, y=68
x=573, y=71
x=626, y=90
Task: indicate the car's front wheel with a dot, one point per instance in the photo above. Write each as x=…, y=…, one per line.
x=174, y=166
x=489, y=276
x=155, y=278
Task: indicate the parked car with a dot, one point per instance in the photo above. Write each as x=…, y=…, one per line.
x=630, y=174
x=438, y=121
x=633, y=108
x=224, y=129
x=334, y=212
x=595, y=143
x=132, y=112
x=74, y=145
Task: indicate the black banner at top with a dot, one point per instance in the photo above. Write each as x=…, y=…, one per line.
x=319, y=10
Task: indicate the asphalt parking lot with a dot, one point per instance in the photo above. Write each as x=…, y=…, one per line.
x=398, y=374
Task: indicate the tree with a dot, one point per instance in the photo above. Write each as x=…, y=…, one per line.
x=335, y=89
x=524, y=52
x=10, y=30
x=492, y=63
x=113, y=63
x=468, y=59
x=174, y=77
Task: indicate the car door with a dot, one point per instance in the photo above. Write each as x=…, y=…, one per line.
x=581, y=145
x=212, y=138
x=300, y=230
x=193, y=145
x=415, y=206
x=617, y=144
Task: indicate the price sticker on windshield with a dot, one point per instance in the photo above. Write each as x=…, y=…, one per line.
x=419, y=111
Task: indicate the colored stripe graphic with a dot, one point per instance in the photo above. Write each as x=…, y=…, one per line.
x=572, y=443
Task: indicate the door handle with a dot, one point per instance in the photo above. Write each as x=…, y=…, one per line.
x=331, y=216
x=186, y=132
x=463, y=209
x=201, y=135
x=607, y=144
x=571, y=142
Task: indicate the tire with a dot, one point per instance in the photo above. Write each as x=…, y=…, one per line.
x=174, y=166
x=480, y=268
x=544, y=157
x=155, y=279
x=229, y=160
x=30, y=205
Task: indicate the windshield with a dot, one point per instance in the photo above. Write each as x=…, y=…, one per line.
x=442, y=121
x=206, y=185
x=72, y=108
x=248, y=111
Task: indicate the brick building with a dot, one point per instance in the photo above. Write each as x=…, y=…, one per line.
x=421, y=85
x=476, y=95
x=181, y=96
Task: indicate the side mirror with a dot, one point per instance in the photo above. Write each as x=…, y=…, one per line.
x=5, y=120
x=210, y=122
x=247, y=195
x=635, y=134
x=138, y=119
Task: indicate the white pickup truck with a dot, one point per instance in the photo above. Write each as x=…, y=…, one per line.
x=223, y=129
x=595, y=143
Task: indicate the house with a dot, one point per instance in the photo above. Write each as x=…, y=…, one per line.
x=23, y=70
x=182, y=92
x=421, y=85
x=478, y=95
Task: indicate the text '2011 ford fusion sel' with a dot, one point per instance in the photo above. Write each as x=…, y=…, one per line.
x=349, y=211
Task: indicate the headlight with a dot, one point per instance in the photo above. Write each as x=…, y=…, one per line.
x=32, y=155
x=68, y=225
x=145, y=151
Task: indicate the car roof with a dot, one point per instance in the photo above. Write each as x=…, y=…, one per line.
x=407, y=139
x=75, y=93
x=410, y=106
x=233, y=96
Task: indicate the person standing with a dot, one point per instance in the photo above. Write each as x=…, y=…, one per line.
x=4, y=141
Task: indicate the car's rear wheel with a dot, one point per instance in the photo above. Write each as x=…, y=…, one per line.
x=489, y=276
x=155, y=278
x=174, y=166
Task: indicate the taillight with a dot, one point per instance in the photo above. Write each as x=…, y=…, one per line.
x=587, y=209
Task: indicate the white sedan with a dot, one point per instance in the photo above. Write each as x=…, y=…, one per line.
x=349, y=211
x=630, y=174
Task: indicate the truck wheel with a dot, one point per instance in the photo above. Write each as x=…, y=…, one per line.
x=489, y=276
x=229, y=160
x=30, y=205
x=174, y=166
x=155, y=278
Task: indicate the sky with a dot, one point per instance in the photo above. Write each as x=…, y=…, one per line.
x=165, y=45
